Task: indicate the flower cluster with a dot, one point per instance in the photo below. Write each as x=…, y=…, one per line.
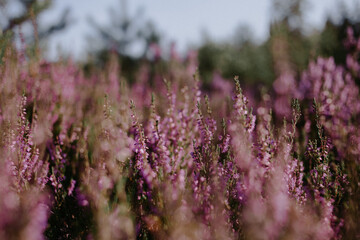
x=77, y=162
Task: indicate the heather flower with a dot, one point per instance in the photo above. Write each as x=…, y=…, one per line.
x=141, y=163
x=205, y=126
x=23, y=156
x=24, y=208
x=71, y=187
x=266, y=142
x=243, y=114
x=283, y=87
x=166, y=170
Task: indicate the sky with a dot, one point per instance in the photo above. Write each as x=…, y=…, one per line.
x=182, y=21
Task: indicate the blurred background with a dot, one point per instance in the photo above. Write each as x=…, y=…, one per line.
x=257, y=40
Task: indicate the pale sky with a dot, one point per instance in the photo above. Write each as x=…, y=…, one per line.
x=182, y=21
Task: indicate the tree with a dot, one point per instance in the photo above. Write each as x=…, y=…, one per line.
x=125, y=32
x=30, y=10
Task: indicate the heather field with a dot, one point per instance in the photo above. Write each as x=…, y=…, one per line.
x=87, y=154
